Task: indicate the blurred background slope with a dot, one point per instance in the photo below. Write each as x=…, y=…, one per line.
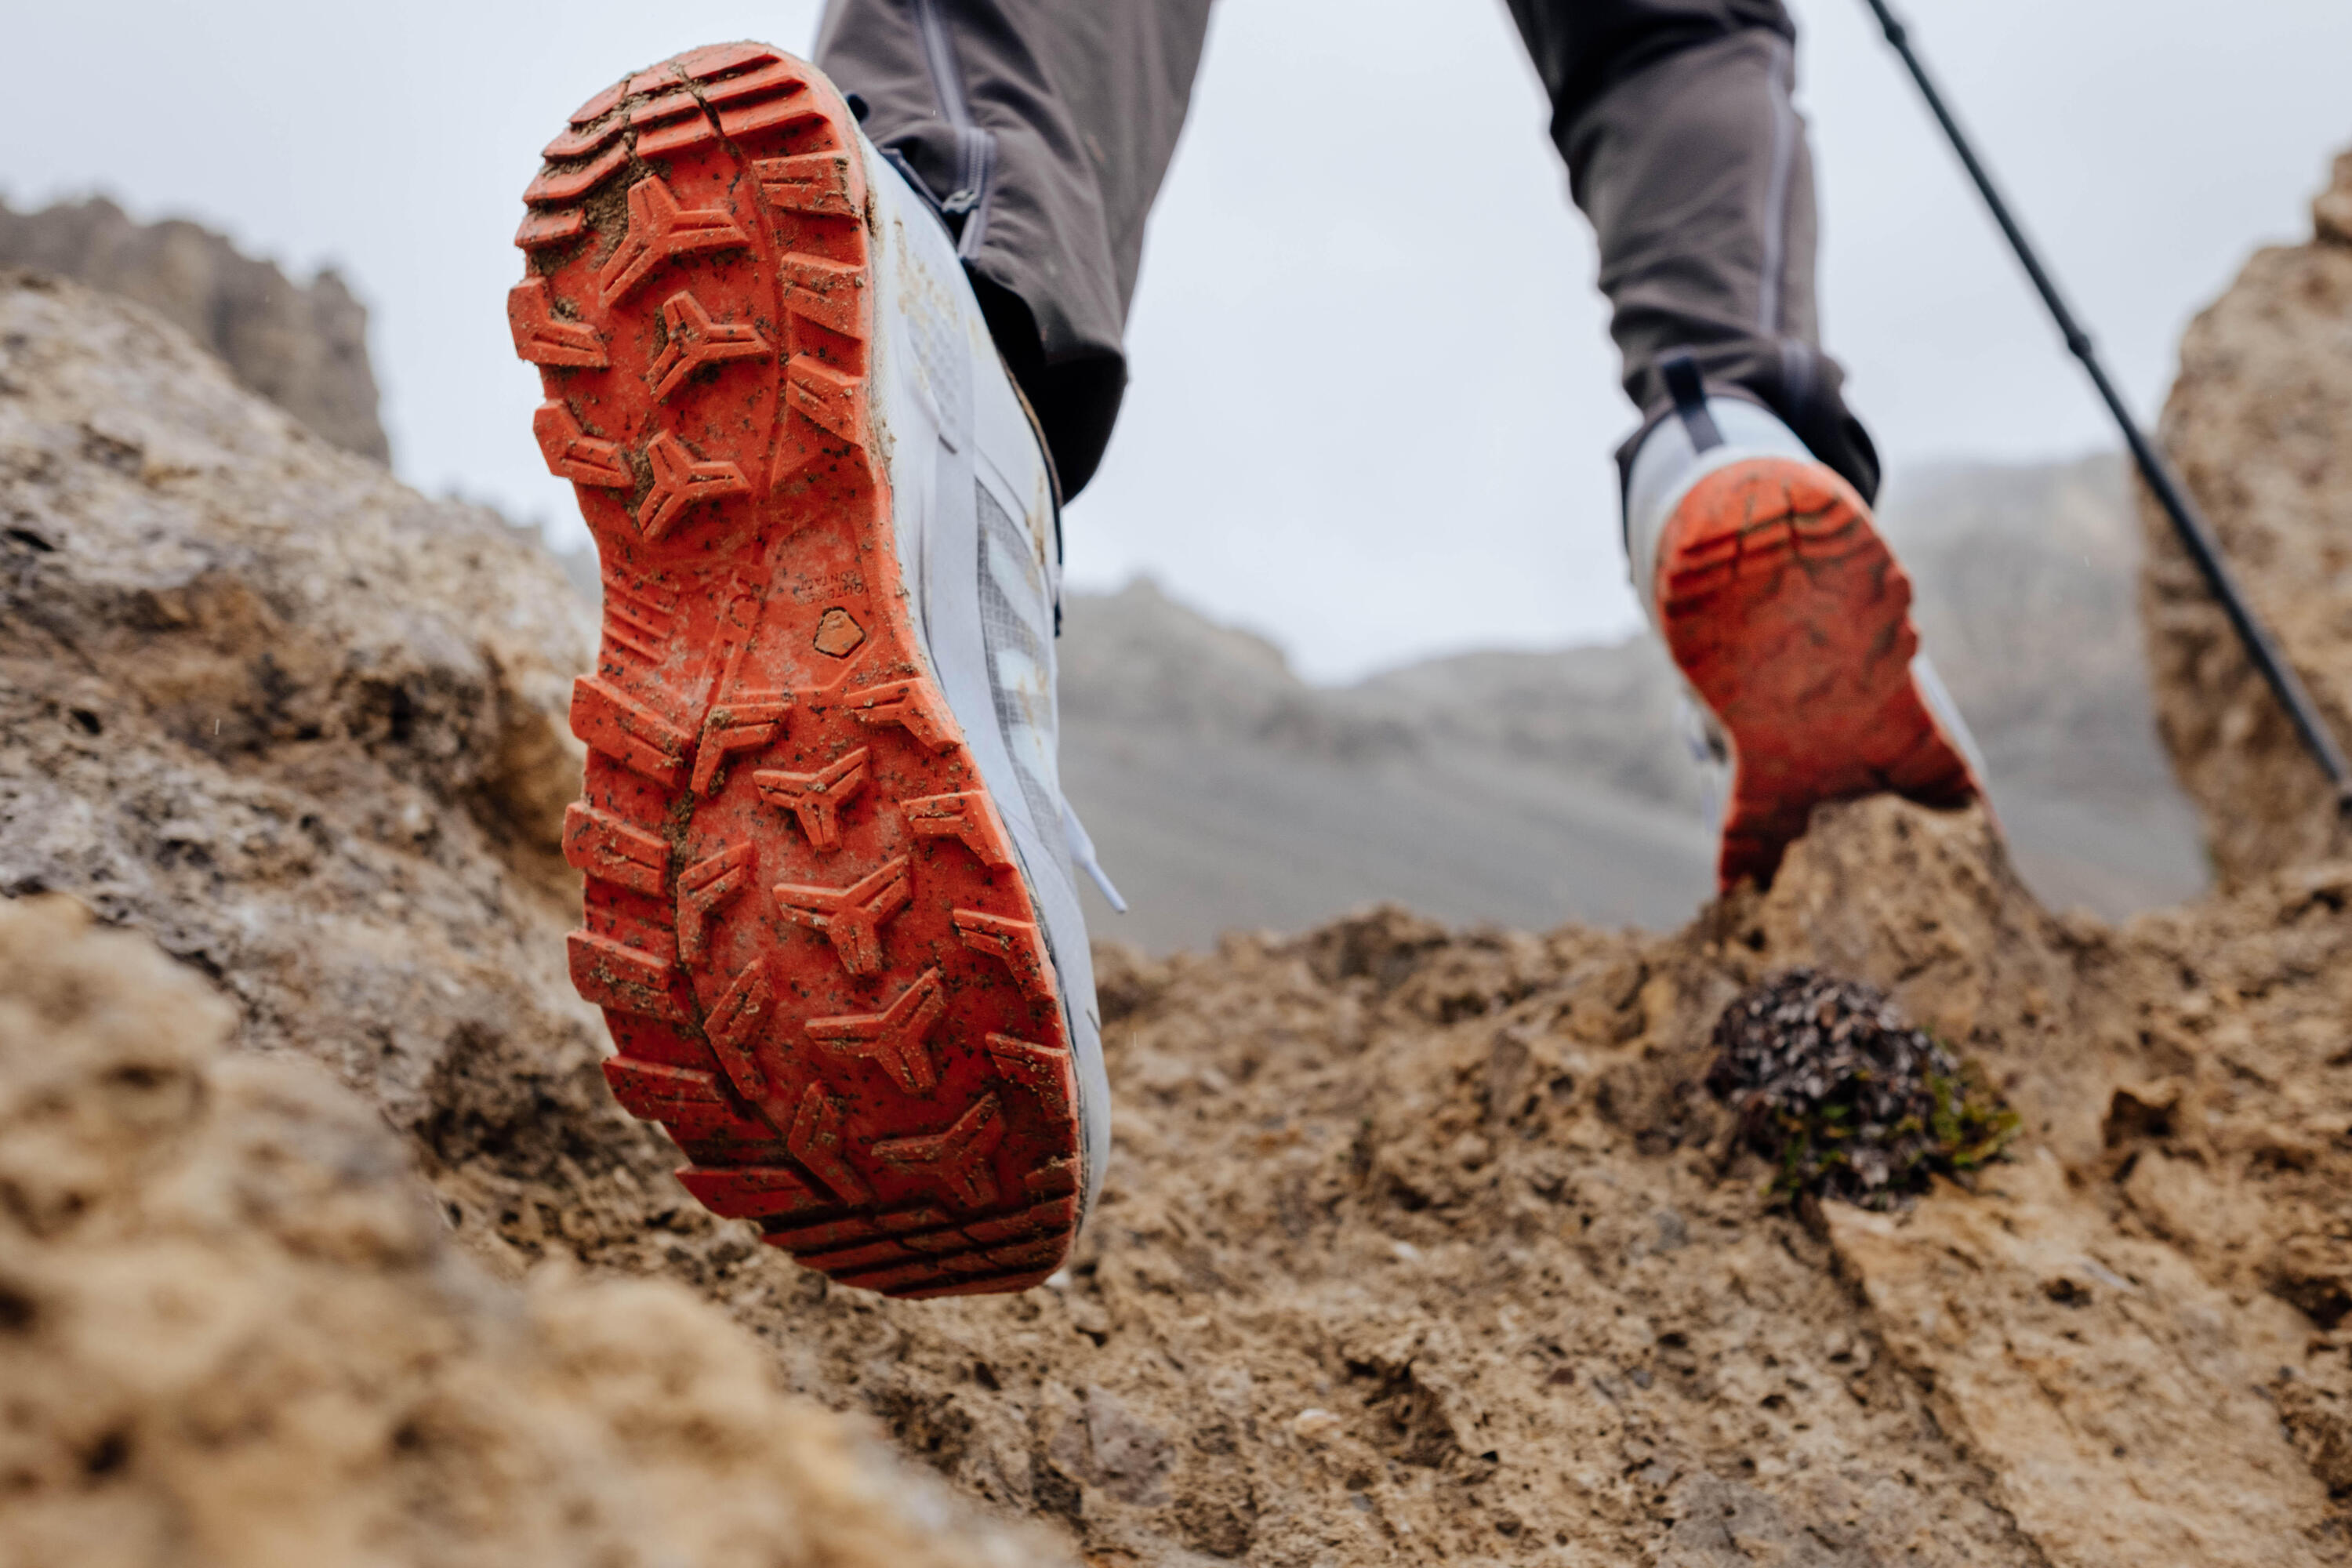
x=1526, y=788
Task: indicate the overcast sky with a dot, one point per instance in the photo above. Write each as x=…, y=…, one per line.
x=1373, y=395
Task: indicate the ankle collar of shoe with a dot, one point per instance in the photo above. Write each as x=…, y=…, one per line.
x=1673, y=459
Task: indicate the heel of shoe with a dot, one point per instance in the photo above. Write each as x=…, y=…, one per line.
x=1790, y=618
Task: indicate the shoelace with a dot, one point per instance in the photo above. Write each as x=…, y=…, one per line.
x=1082, y=852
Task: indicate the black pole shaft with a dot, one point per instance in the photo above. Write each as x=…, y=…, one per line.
x=2196, y=535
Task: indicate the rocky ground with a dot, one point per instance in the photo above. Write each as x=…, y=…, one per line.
x=234, y=1330
x=1418, y=1245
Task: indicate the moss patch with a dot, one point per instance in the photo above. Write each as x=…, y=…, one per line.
x=1845, y=1097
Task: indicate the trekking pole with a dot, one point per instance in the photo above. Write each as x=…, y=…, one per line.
x=2196, y=535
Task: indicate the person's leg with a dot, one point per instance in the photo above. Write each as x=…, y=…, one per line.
x=1747, y=487
x=1043, y=128
x=1685, y=151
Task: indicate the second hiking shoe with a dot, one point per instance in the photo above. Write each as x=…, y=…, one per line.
x=830, y=913
x=1790, y=622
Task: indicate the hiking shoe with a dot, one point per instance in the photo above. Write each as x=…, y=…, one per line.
x=1790, y=620
x=830, y=914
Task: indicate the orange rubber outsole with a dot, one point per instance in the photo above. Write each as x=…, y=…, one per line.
x=1791, y=617
x=804, y=920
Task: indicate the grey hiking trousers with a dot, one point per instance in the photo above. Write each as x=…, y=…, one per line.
x=1042, y=130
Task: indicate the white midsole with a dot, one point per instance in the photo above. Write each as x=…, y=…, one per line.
x=948, y=421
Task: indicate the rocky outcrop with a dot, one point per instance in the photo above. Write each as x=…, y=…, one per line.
x=1416, y=1245
x=2260, y=425
x=234, y=1330
x=306, y=727
x=301, y=345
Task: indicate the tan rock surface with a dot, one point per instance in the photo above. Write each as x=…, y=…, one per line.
x=1416, y=1246
x=233, y=1330
x=2260, y=425
x=2119, y=1399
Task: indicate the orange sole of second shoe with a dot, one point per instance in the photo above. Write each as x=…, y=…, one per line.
x=804, y=924
x=1789, y=614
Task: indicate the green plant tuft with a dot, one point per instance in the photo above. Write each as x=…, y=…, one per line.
x=1844, y=1098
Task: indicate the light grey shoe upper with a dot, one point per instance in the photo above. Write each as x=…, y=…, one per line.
x=977, y=530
